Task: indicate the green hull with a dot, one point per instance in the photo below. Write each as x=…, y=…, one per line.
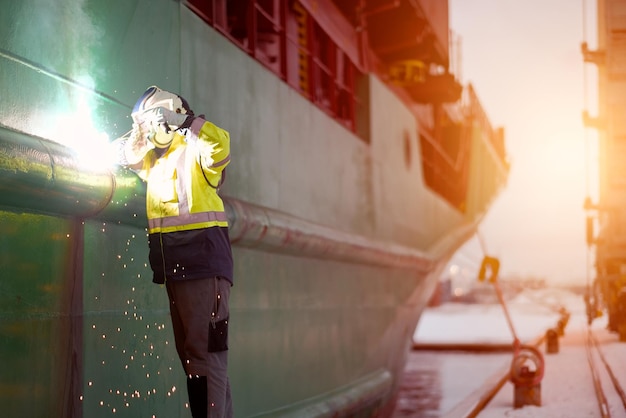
x=337, y=243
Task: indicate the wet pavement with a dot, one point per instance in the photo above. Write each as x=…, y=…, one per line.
x=435, y=381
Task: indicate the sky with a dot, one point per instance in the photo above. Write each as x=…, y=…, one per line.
x=524, y=60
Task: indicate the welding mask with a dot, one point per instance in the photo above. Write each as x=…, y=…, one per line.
x=159, y=133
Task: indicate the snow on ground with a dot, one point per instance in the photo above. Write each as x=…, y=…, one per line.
x=532, y=314
x=566, y=389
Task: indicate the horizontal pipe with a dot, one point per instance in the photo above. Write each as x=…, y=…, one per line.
x=44, y=176
x=259, y=227
x=41, y=176
x=37, y=175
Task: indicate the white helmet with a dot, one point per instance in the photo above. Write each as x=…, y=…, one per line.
x=159, y=134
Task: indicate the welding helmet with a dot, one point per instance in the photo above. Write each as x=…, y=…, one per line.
x=159, y=133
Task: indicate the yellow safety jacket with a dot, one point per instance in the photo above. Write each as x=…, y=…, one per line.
x=183, y=182
x=187, y=224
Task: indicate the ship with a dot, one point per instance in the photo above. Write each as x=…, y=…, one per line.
x=606, y=217
x=360, y=164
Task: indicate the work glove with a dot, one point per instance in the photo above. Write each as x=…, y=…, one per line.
x=165, y=117
x=137, y=145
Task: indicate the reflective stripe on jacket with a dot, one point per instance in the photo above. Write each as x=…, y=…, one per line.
x=182, y=182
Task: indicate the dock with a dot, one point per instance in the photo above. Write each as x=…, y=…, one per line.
x=584, y=375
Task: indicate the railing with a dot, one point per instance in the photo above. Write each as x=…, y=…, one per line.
x=445, y=156
x=475, y=112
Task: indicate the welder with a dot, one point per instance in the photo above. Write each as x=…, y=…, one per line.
x=182, y=158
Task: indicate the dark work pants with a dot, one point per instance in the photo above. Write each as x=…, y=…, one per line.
x=200, y=313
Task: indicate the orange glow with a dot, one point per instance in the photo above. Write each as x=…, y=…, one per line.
x=531, y=82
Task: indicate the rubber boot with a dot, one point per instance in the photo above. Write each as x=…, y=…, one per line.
x=197, y=391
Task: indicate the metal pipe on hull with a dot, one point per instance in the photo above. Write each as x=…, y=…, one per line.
x=45, y=177
x=37, y=175
x=259, y=227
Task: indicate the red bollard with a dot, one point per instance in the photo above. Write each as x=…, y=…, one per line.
x=552, y=341
x=526, y=373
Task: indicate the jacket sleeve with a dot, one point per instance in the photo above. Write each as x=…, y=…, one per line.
x=141, y=167
x=212, y=144
x=131, y=149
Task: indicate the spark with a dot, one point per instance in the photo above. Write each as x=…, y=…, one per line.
x=74, y=128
